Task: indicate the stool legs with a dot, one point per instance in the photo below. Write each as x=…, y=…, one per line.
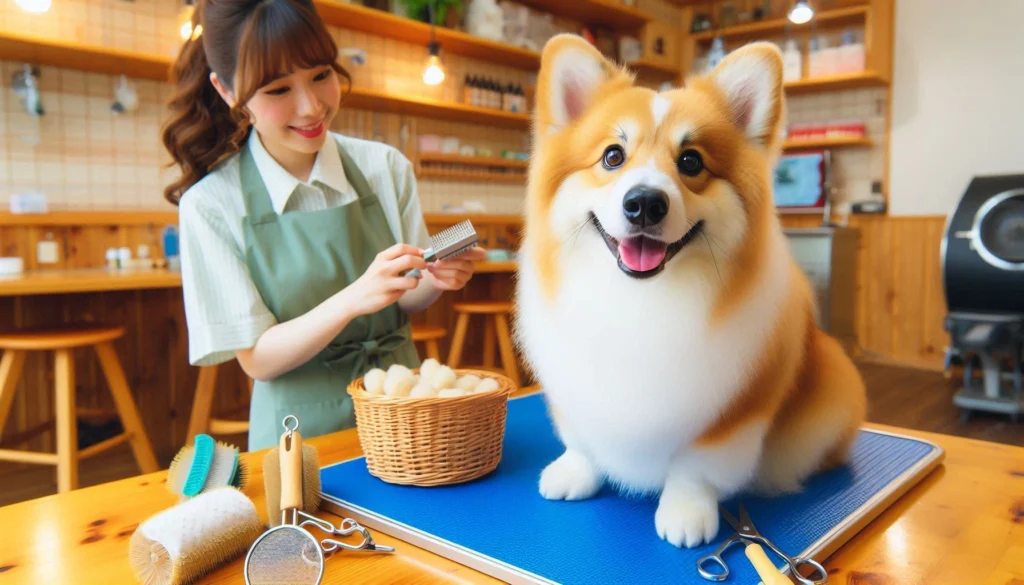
x=126, y=408
x=432, y=349
x=10, y=370
x=508, y=357
x=199, y=420
x=67, y=431
x=488, y=343
x=458, y=340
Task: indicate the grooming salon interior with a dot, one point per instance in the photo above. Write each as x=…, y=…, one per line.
x=511, y=291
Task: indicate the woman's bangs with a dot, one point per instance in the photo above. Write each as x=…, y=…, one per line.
x=280, y=39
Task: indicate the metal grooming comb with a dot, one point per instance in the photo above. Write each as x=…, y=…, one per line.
x=449, y=243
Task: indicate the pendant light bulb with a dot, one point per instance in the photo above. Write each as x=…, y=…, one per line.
x=801, y=12
x=34, y=6
x=433, y=72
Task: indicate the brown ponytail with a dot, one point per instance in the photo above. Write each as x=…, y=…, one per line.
x=247, y=43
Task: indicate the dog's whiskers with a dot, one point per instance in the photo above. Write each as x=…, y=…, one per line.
x=715, y=260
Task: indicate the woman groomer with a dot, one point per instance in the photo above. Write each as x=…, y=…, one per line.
x=293, y=239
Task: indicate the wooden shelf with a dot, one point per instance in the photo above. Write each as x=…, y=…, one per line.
x=833, y=82
x=71, y=55
x=650, y=67
x=780, y=25
x=486, y=177
x=432, y=108
x=607, y=13
x=392, y=26
x=844, y=142
x=480, y=161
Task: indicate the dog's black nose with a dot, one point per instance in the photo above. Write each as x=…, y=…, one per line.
x=644, y=206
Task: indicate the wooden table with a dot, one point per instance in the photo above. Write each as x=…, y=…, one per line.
x=963, y=524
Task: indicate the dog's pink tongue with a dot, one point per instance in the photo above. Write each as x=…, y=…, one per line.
x=641, y=254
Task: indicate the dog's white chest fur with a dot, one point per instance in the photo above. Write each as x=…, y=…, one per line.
x=633, y=367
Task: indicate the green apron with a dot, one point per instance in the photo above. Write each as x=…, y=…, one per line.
x=297, y=260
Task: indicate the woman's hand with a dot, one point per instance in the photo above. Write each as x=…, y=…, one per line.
x=382, y=284
x=455, y=273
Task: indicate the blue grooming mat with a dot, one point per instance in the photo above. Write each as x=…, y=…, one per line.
x=501, y=526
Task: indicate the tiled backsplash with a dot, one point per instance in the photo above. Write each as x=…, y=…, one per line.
x=83, y=156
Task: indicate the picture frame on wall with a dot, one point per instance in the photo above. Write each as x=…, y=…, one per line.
x=801, y=182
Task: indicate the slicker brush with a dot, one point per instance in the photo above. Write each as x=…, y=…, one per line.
x=310, y=480
x=183, y=543
x=204, y=466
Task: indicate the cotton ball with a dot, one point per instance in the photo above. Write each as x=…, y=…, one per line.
x=428, y=367
x=398, y=385
x=422, y=390
x=397, y=370
x=443, y=377
x=452, y=392
x=374, y=381
x=487, y=385
x=467, y=382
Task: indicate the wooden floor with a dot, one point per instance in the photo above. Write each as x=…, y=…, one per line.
x=898, y=396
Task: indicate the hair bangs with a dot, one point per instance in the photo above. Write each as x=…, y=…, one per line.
x=280, y=38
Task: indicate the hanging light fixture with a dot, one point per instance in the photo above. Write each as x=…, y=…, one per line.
x=34, y=6
x=433, y=70
x=801, y=12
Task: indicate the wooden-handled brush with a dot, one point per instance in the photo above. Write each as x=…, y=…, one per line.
x=309, y=488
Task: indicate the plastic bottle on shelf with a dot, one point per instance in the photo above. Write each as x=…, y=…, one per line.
x=813, y=58
x=716, y=54
x=829, y=56
x=851, y=53
x=792, y=61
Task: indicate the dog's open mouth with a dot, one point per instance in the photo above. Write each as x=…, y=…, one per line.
x=642, y=256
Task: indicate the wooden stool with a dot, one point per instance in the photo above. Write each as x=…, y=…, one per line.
x=428, y=335
x=494, y=327
x=201, y=421
x=16, y=346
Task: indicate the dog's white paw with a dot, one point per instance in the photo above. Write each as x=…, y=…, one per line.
x=687, y=518
x=570, y=477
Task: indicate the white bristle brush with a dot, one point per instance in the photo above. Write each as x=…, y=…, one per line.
x=184, y=542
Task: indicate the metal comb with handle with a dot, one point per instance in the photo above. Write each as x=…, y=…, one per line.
x=450, y=243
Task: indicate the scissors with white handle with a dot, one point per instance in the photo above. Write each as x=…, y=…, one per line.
x=746, y=533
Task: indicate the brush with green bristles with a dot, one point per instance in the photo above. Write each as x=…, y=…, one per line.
x=205, y=465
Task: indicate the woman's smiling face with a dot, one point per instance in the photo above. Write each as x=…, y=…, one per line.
x=295, y=110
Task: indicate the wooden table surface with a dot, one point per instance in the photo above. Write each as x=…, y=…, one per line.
x=962, y=524
x=82, y=280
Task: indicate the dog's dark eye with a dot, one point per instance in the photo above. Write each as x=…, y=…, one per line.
x=690, y=163
x=613, y=157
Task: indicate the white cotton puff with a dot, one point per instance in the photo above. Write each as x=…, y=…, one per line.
x=399, y=385
x=428, y=367
x=399, y=370
x=452, y=392
x=422, y=390
x=443, y=377
x=487, y=385
x=374, y=381
x=467, y=382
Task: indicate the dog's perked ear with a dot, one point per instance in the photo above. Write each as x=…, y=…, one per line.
x=751, y=79
x=571, y=72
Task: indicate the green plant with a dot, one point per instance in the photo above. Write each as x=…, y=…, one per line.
x=418, y=9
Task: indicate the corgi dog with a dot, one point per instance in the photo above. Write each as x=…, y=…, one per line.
x=657, y=302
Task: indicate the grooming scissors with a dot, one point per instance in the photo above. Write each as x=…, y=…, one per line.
x=347, y=527
x=747, y=534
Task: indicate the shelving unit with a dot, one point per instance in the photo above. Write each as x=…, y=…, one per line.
x=443, y=110
x=776, y=26
x=844, y=142
x=835, y=82
x=488, y=177
x=72, y=55
x=481, y=161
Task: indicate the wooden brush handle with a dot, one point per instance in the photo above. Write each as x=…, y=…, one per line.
x=291, y=471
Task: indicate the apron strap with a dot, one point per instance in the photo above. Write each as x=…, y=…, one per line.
x=254, y=191
x=367, y=196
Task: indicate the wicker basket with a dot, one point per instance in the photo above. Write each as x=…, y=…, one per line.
x=432, y=441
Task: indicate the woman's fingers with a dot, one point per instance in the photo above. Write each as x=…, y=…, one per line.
x=399, y=250
x=404, y=263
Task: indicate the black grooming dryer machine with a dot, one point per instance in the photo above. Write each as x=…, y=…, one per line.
x=983, y=275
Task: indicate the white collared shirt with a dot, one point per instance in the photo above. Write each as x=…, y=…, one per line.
x=223, y=308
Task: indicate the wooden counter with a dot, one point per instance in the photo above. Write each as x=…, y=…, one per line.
x=81, y=280
x=964, y=523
